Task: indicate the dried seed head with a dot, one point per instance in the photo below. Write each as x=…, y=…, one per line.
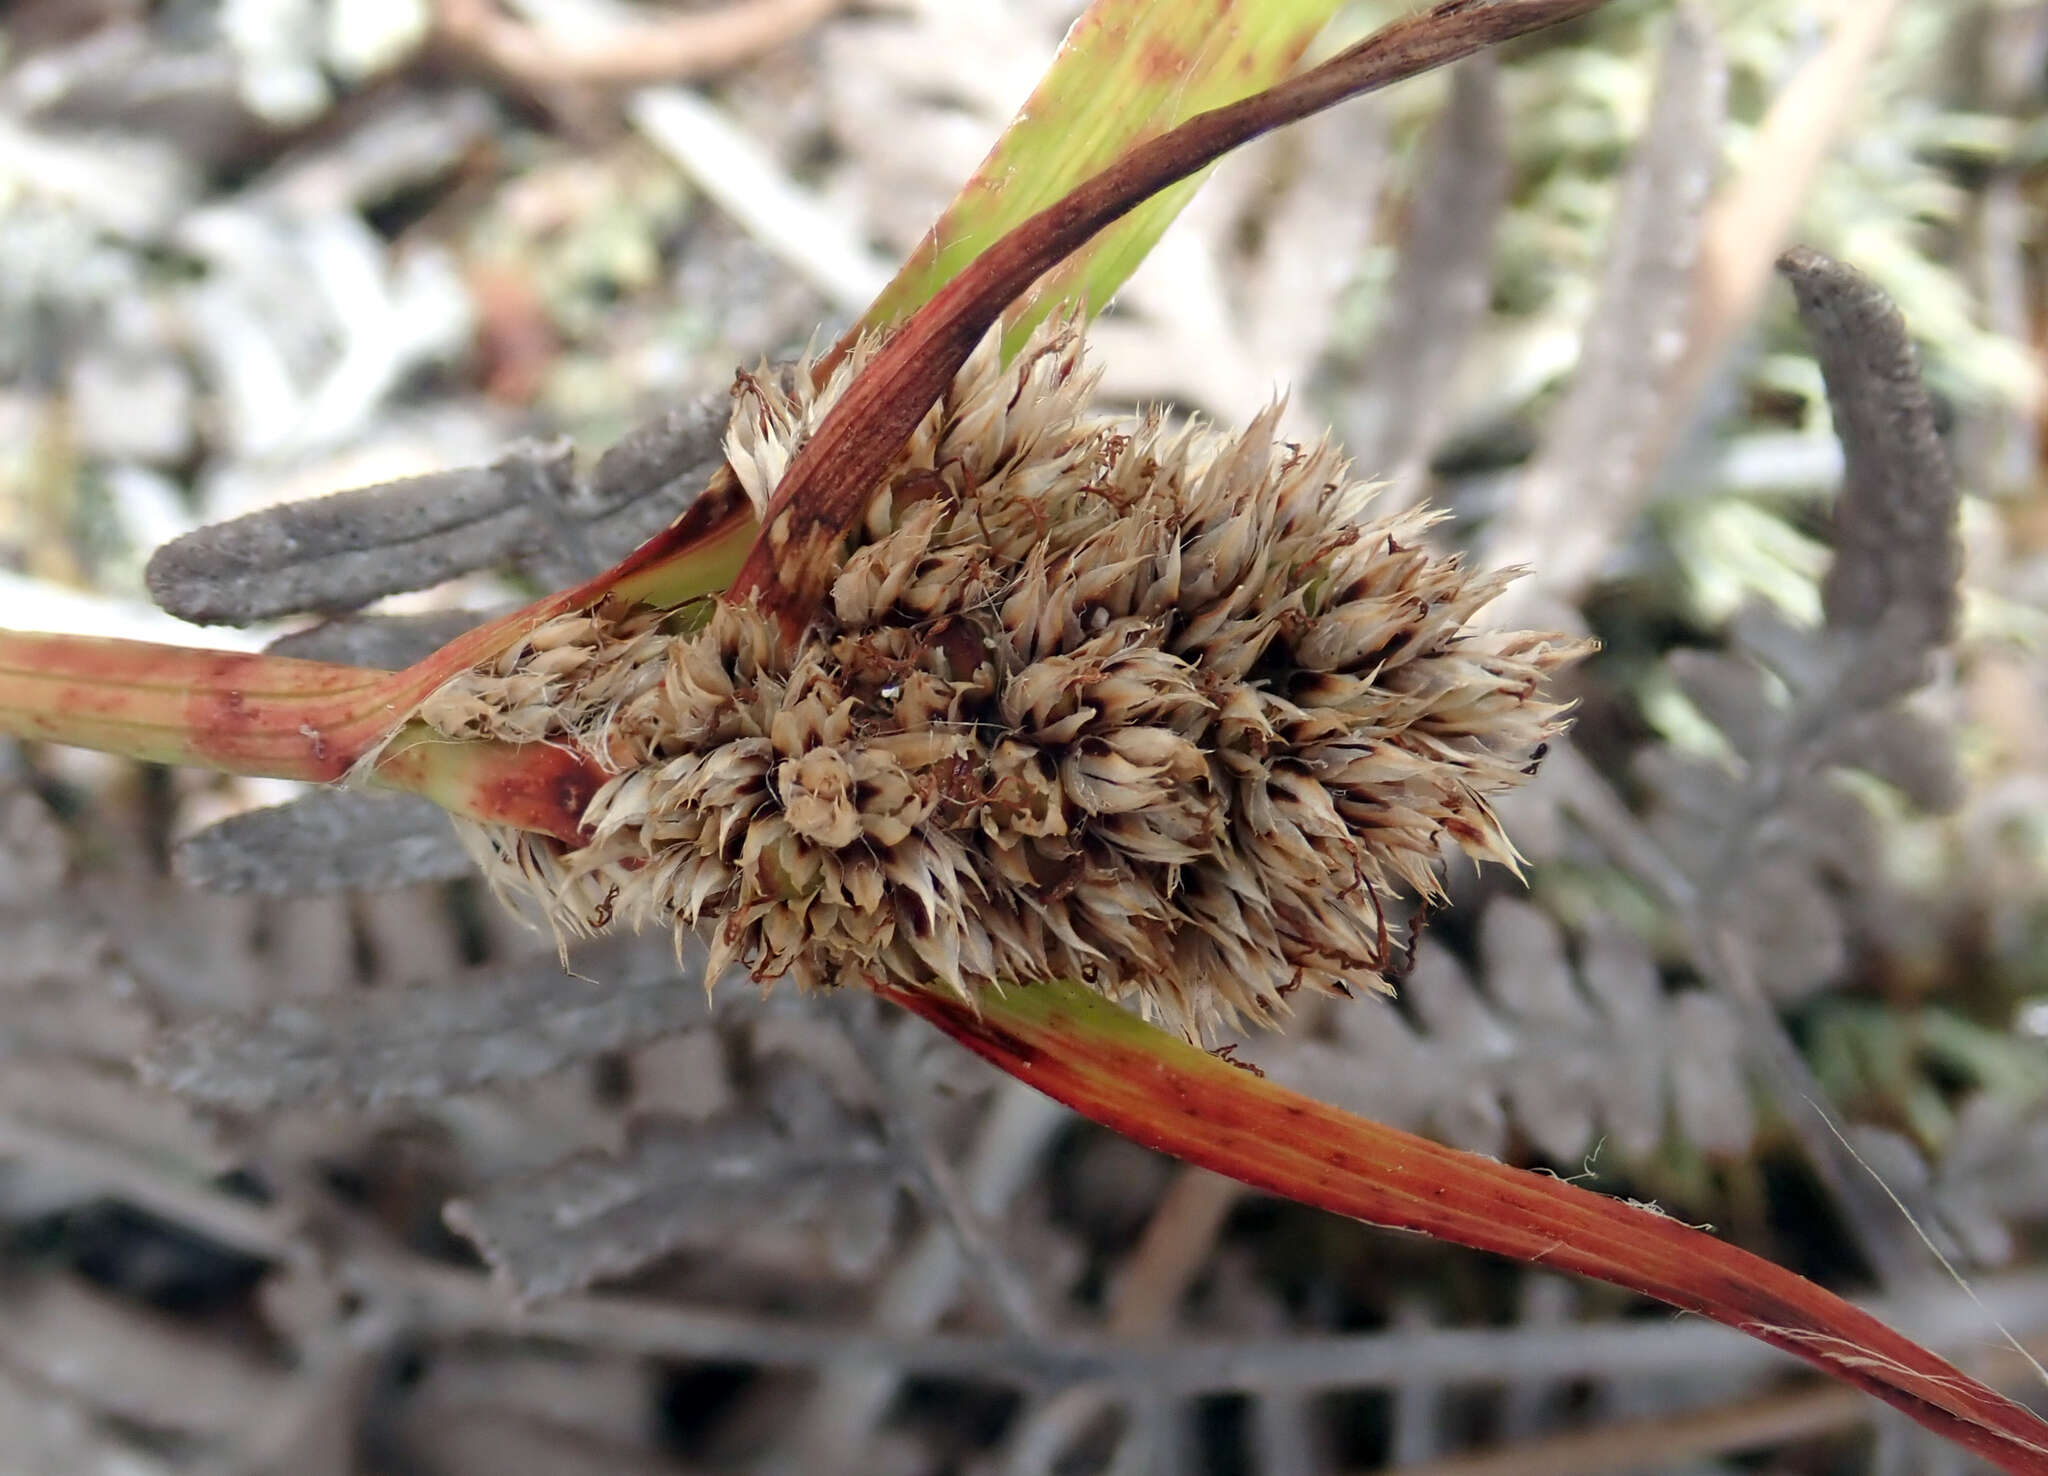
x=1156, y=708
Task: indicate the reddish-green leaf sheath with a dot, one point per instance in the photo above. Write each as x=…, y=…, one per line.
x=1113, y=1068
x=828, y=485
x=274, y=716
x=693, y=558
x=176, y=705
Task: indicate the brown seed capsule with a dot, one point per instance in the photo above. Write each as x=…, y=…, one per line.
x=1156, y=707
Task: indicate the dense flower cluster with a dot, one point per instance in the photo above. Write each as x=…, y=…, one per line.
x=1157, y=708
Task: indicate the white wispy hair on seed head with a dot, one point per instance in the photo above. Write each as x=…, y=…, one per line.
x=1160, y=709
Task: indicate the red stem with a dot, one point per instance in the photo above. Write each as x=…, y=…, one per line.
x=1115, y=1070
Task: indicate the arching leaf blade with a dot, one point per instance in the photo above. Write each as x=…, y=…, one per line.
x=1128, y=70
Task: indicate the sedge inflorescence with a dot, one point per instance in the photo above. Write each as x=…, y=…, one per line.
x=1154, y=707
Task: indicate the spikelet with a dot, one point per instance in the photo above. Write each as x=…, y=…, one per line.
x=1160, y=709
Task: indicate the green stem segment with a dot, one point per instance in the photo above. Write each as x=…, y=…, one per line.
x=1113, y=1068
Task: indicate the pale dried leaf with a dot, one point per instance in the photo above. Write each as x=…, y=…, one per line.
x=1709, y=1088
x=1375, y=1065
x=1793, y=928
x=603, y=1397
x=414, y=933
x=1621, y=979
x=194, y=951
x=645, y=479
x=1905, y=749
x=34, y=852
x=68, y=1010
x=342, y=551
x=43, y=1434
x=700, y=1186
x=64, y=988
x=1570, y=1054
x=1695, y=800
x=1521, y=951
x=1733, y=695
x=1832, y=827
x=685, y=1076
x=327, y=841
x=505, y=1440
x=499, y=1022
x=816, y=1040
x=133, y=1364
x=1443, y=999
x=383, y=642
x=1789, y=651
x=1322, y=181
x=103, y=1104
x=1994, y=1171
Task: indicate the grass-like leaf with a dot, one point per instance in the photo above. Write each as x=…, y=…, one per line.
x=829, y=483
x=1115, y=1069
x=1128, y=71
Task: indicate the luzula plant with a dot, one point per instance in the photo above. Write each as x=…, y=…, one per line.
x=1156, y=708
x=950, y=688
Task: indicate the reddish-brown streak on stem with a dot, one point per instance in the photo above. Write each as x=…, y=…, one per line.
x=271, y=715
x=1273, y=1139
x=1163, y=62
x=827, y=486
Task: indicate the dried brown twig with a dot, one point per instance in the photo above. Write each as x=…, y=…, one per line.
x=1176, y=1244
x=673, y=49
x=1746, y=1424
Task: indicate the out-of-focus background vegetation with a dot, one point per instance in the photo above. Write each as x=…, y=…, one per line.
x=257, y=250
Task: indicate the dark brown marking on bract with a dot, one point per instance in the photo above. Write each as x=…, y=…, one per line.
x=546, y=791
